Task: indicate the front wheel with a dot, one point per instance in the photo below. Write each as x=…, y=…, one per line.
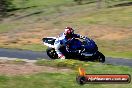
x=51, y=53
x=101, y=57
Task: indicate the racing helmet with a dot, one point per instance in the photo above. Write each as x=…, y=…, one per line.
x=69, y=31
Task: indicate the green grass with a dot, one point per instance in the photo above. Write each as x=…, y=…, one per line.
x=51, y=80
x=47, y=7
x=117, y=54
x=120, y=48
x=91, y=67
x=110, y=16
x=45, y=3
x=120, y=17
x=34, y=47
x=52, y=9
x=73, y=64
x=6, y=27
x=64, y=80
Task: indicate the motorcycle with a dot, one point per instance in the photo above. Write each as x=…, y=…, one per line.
x=75, y=48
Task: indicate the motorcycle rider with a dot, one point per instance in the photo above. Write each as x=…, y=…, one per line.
x=64, y=38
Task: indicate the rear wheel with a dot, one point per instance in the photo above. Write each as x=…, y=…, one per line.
x=51, y=53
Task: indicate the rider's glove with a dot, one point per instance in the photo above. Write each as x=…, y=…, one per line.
x=83, y=37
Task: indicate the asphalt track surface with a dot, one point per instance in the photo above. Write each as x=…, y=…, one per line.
x=34, y=55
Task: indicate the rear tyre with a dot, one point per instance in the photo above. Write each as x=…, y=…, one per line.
x=51, y=53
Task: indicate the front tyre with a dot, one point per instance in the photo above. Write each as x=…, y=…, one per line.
x=101, y=57
x=51, y=53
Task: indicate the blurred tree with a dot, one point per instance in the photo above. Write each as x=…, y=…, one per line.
x=5, y=6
